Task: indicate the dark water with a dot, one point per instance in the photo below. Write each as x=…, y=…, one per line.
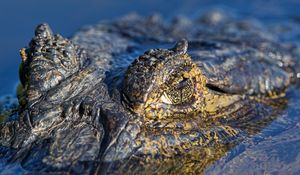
x=279, y=144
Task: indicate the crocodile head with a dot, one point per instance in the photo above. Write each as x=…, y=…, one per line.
x=166, y=90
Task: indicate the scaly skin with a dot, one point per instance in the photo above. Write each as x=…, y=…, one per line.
x=98, y=103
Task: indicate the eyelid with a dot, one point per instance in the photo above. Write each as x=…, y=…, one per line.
x=165, y=99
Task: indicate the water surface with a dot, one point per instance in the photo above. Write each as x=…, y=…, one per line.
x=19, y=18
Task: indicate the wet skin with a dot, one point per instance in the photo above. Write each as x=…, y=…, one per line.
x=106, y=103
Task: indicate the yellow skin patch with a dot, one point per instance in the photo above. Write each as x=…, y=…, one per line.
x=23, y=54
x=215, y=102
x=23, y=86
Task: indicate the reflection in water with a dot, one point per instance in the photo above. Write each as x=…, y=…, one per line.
x=273, y=150
x=216, y=145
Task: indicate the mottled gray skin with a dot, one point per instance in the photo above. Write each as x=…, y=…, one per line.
x=75, y=119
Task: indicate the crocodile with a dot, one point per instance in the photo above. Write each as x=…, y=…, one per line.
x=140, y=94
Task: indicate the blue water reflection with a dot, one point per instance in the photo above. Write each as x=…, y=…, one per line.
x=18, y=19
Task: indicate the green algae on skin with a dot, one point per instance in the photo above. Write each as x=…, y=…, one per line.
x=8, y=106
x=3, y=116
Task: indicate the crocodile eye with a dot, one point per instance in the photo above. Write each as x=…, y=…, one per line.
x=179, y=92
